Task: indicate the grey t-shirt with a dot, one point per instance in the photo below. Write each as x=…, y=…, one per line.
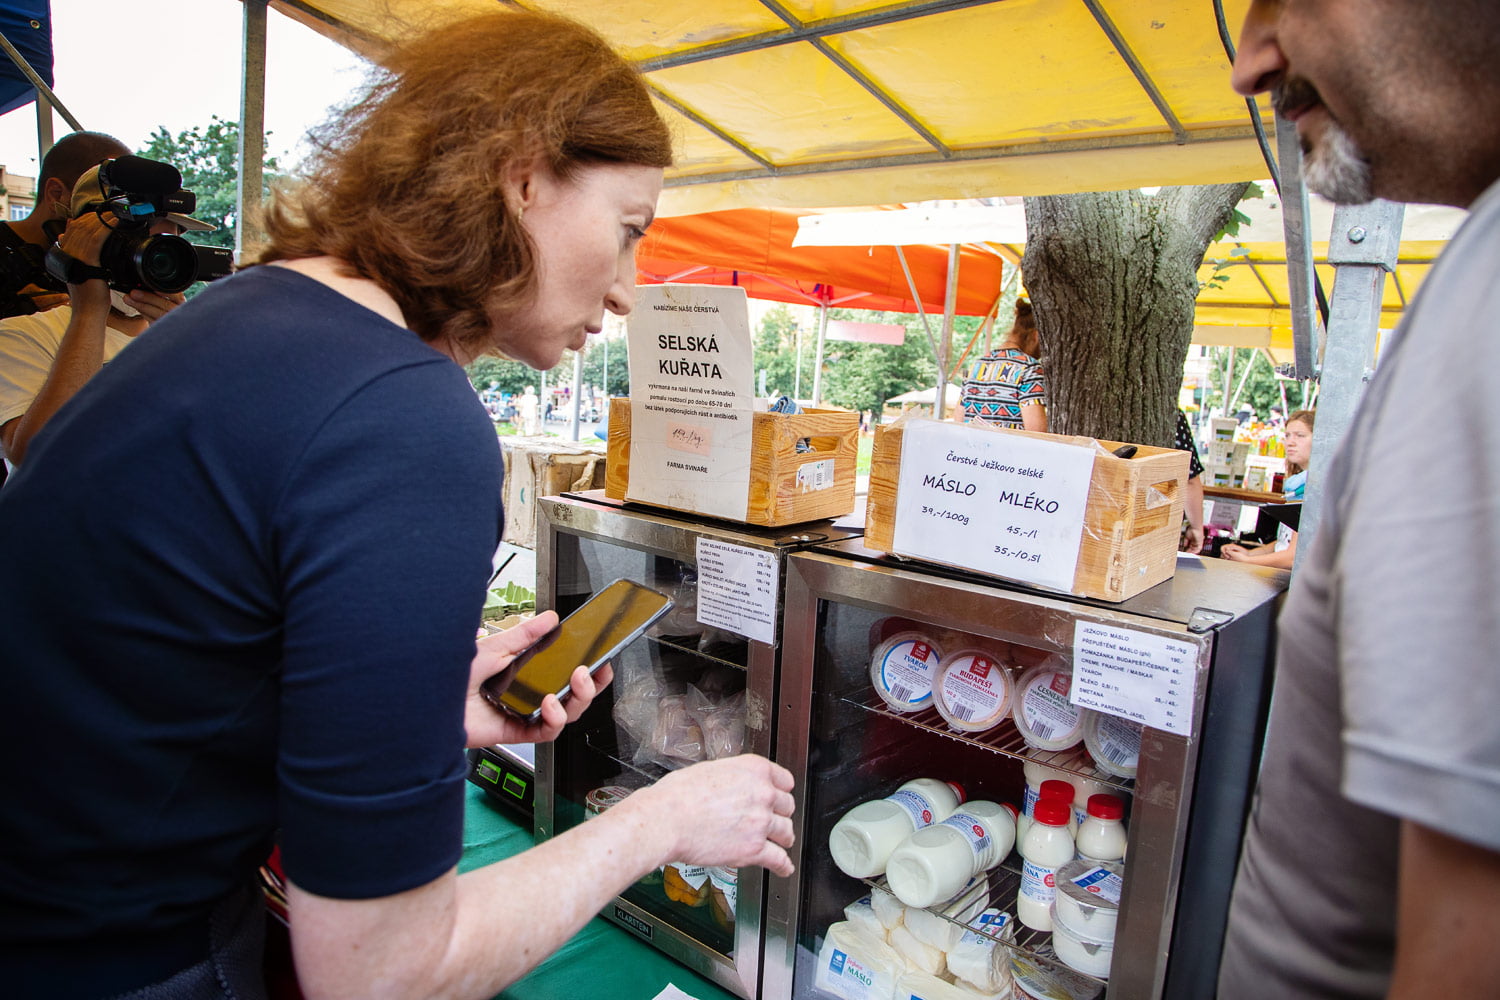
x=1388, y=677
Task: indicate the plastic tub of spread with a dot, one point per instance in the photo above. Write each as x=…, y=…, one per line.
x=903, y=670
x=1088, y=897
x=973, y=690
x=1113, y=742
x=1043, y=714
x=602, y=798
x=1082, y=952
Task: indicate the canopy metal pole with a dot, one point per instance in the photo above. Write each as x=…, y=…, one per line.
x=1362, y=248
x=950, y=307
x=42, y=90
x=577, y=393
x=1299, y=262
x=817, y=390
x=252, y=151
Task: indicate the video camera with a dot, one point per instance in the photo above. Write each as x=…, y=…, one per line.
x=136, y=192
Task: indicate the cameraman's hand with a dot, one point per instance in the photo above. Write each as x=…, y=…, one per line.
x=154, y=305
x=486, y=725
x=84, y=237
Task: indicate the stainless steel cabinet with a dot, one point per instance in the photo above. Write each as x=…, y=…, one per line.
x=1190, y=797
x=656, y=716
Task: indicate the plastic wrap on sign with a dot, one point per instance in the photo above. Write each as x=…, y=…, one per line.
x=1063, y=513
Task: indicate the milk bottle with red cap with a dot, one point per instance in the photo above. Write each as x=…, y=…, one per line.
x=1102, y=835
x=1047, y=847
x=936, y=862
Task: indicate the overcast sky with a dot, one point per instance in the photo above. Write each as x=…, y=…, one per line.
x=127, y=67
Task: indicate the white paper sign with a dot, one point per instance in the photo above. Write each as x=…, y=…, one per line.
x=691, y=399
x=737, y=589
x=1148, y=678
x=1000, y=503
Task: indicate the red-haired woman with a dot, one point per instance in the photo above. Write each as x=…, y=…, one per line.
x=278, y=513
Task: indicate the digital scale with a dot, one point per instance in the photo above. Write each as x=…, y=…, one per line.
x=508, y=776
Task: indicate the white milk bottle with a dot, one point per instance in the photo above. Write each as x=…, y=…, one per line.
x=1035, y=774
x=1102, y=835
x=936, y=862
x=863, y=839
x=1047, y=847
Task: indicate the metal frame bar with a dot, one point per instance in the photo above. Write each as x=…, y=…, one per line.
x=1137, y=69
x=859, y=77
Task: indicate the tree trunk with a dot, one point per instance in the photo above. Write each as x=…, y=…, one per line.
x=1113, y=277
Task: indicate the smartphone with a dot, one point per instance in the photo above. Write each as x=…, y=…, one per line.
x=605, y=624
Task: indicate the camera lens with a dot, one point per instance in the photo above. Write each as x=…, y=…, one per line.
x=166, y=263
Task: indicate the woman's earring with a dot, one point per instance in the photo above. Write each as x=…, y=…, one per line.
x=520, y=214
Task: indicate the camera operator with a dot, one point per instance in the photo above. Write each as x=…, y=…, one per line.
x=47, y=357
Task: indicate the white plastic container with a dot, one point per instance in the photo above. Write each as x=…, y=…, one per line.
x=973, y=691
x=1043, y=714
x=1047, y=847
x=1088, y=897
x=1113, y=742
x=1082, y=952
x=1101, y=837
x=933, y=864
x=862, y=840
x=903, y=670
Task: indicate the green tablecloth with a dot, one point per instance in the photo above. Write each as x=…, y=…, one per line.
x=601, y=960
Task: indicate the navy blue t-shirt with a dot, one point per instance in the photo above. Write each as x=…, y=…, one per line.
x=240, y=577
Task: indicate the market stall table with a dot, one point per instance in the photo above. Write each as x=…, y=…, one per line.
x=601, y=959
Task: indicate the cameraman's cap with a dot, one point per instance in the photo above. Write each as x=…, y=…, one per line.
x=87, y=193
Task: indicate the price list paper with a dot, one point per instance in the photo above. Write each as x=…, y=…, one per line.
x=1148, y=678
x=1005, y=504
x=737, y=589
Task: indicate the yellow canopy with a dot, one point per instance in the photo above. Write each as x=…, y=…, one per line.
x=816, y=103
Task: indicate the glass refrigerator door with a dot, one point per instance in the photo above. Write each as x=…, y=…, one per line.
x=684, y=692
x=851, y=745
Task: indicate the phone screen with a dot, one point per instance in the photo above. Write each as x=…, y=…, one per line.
x=603, y=626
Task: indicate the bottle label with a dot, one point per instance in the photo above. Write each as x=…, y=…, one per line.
x=906, y=672
x=1038, y=883
x=918, y=807
x=1028, y=800
x=693, y=875
x=1102, y=883
x=727, y=881
x=972, y=829
x=1046, y=709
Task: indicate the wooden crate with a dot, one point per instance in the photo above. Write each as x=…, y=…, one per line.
x=537, y=467
x=776, y=498
x=1130, y=535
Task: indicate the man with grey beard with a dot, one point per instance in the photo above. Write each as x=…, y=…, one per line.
x=1371, y=866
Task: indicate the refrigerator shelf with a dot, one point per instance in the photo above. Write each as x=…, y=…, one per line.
x=998, y=890
x=673, y=642
x=1004, y=738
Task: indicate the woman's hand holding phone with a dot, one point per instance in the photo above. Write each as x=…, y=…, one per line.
x=485, y=726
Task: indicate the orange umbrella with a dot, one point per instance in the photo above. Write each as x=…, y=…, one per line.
x=752, y=248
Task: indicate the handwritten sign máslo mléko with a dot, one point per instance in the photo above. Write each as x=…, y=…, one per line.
x=1004, y=504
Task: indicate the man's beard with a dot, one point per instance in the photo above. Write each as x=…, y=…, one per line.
x=1336, y=169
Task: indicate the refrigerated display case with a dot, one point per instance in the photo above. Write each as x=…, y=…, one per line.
x=685, y=691
x=1188, y=801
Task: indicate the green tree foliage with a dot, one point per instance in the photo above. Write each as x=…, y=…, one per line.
x=209, y=161
x=776, y=354
x=863, y=376
x=1260, y=390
